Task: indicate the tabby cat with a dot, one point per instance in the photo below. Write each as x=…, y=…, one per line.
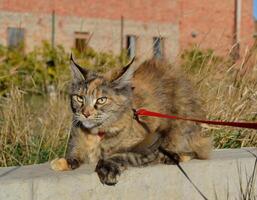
x=106, y=132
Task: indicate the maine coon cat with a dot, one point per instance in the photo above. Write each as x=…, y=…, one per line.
x=106, y=132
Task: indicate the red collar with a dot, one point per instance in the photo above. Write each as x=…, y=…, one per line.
x=101, y=134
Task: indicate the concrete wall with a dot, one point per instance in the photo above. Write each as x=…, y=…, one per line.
x=218, y=178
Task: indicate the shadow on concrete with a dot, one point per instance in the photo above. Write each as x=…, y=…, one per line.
x=9, y=171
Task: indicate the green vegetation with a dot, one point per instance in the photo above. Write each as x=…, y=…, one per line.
x=195, y=60
x=34, y=71
x=34, y=125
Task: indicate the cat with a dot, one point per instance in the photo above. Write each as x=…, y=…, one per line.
x=106, y=132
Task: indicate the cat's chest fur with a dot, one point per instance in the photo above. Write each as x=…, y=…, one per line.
x=122, y=138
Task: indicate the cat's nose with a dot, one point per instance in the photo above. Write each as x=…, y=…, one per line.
x=86, y=113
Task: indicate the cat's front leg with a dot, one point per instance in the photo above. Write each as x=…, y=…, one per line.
x=72, y=160
x=82, y=148
x=109, y=169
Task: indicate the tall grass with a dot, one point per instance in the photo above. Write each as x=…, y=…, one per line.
x=35, y=129
x=229, y=91
x=32, y=133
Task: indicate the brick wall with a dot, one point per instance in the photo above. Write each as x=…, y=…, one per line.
x=143, y=18
x=208, y=23
x=247, y=26
x=211, y=24
x=105, y=33
x=161, y=11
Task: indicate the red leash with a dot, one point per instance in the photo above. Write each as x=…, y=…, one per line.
x=144, y=112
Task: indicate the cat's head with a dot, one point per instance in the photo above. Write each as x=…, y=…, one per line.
x=99, y=100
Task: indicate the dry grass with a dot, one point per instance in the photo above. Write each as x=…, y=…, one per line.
x=249, y=191
x=34, y=133
x=230, y=93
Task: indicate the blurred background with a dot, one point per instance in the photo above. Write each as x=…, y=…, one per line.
x=163, y=27
x=214, y=42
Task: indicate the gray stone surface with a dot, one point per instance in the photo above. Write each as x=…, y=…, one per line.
x=218, y=177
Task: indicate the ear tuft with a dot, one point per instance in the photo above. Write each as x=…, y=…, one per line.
x=78, y=73
x=125, y=77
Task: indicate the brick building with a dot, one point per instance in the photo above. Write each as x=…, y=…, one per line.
x=217, y=24
x=148, y=27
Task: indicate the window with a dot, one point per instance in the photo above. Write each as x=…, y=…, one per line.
x=131, y=46
x=81, y=40
x=158, y=47
x=15, y=37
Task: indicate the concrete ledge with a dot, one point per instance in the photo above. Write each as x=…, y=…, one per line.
x=217, y=178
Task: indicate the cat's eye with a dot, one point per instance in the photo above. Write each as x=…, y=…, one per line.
x=101, y=100
x=79, y=99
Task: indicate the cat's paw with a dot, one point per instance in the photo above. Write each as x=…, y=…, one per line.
x=108, y=172
x=73, y=163
x=59, y=164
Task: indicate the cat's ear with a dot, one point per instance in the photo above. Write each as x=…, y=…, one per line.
x=78, y=73
x=124, y=77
